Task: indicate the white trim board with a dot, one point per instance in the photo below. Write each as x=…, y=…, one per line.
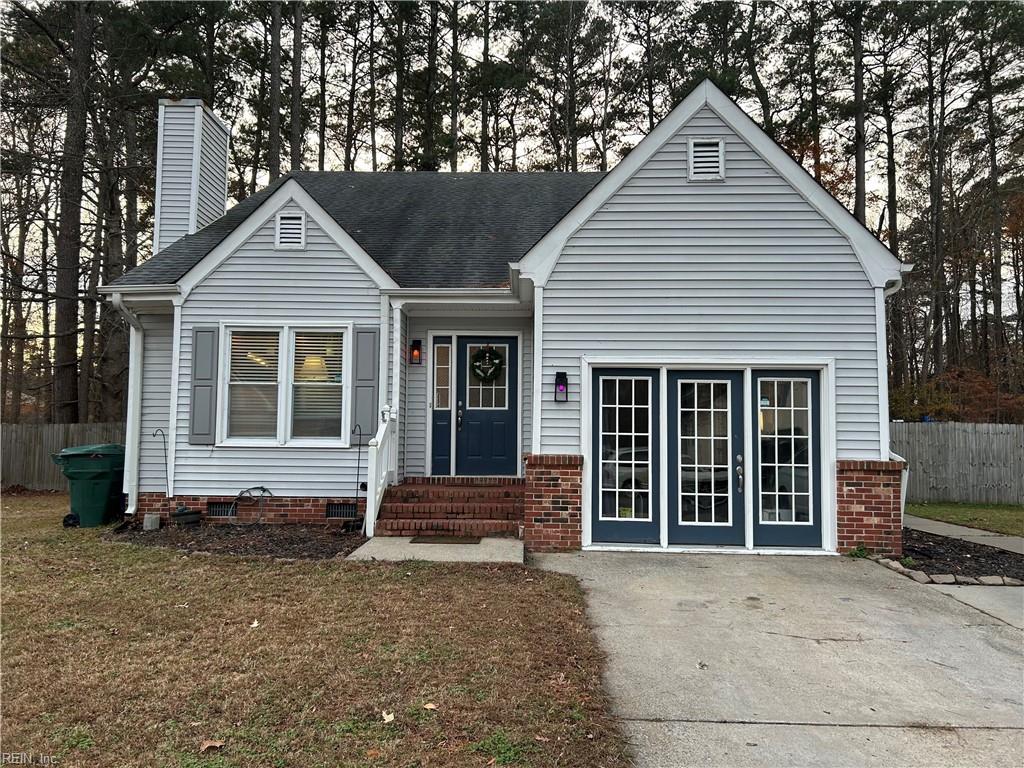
x=827, y=455
x=290, y=191
x=880, y=266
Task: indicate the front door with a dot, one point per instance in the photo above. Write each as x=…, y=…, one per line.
x=486, y=407
x=626, y=434
x=705, y=458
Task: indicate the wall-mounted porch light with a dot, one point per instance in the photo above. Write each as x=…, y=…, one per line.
x=561, y=387
x=416, y=352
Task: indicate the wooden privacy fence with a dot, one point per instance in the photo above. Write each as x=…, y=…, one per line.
x=981, y=463
x=27, y=448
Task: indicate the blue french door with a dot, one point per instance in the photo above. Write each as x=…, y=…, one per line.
x=625, y=479
x=786, y=428
x=486, y=413
x=705, y=458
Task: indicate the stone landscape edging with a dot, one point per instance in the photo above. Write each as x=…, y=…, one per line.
x=947, y=578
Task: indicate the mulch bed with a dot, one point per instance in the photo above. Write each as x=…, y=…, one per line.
x=939, y=554
x=309, y=542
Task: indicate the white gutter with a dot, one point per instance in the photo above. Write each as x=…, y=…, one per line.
x=138, y=290
x=133, y=425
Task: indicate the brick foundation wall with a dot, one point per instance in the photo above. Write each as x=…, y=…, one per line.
x=868, y=505
x=276, y=509
x=554, y=498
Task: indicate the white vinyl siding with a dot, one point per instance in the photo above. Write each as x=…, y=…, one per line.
x=259, y=285
x=156, y=400
x=181, y=211
x=175, y=179
x=213, y=173
x=417, y=412
x=744, y=267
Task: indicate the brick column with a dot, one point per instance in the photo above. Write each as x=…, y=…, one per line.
x=552, y=509
x=868, y=505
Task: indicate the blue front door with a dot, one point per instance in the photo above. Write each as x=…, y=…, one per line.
x=786, y=429
x=705, y=458
x=625, y=480
x=486, y=407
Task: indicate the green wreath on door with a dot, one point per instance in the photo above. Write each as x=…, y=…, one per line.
x=487, y=364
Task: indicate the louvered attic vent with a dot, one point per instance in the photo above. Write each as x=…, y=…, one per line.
x=291, y=230
x=707, y=159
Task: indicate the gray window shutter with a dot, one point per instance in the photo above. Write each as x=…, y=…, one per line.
x=364, y=383
x=202, y=422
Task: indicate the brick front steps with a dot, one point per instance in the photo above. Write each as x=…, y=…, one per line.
x=452, y=506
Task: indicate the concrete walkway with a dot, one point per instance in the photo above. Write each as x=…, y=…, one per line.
x=394, y=548
x=1004, y=603
x=718, y=660
x=974, y=535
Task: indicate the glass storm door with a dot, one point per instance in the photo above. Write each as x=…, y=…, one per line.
x=787, y=446
x=625, y=479
x=486, y=418
x=705, y=458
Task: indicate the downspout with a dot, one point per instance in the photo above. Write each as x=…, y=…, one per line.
x=890, y=288
x=133, y=430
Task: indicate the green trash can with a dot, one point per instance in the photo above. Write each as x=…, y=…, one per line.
x=95, y=474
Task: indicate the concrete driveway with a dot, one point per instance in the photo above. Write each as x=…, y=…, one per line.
x=784, y=661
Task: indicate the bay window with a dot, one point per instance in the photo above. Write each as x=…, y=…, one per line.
x=285, y=385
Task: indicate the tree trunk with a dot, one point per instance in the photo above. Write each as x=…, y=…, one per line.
x=274, y=145
x=350, y=111
x=860, y=139
x=759, y=89
x=485, y=140
x=257, y=150
x=296, y=133
x=321, y=125
x=400, y=65
x=453, y=151
x=429, y=162
x=812, y=65
x=373, y=88
x=69, y=235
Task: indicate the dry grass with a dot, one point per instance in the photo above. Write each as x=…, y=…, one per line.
x=121, y=655
x=1000, y=518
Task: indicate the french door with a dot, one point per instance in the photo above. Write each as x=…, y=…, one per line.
x=708, y=427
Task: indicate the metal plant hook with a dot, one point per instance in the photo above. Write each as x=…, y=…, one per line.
x=163, y=438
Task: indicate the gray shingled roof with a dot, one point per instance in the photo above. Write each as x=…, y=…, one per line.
x=427, y=230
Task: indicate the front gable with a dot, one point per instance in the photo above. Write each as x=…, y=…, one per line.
x=261, y=223
x=655, y=183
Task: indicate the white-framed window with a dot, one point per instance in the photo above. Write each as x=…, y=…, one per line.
x=785, y=441
x=625, y=478
x=442, y=376
x=706, y=160
x=285, y=385
x=290, y=231
x=486, y=395
x=254, y=376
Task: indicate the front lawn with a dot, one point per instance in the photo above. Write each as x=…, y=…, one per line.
x=116, y=654
x=1001, y=518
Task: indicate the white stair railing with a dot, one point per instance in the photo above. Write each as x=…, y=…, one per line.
x=379, y=467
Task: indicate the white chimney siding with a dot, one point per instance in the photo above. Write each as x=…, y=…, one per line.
x=191, y=170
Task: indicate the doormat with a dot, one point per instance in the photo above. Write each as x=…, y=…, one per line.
x=445, y=540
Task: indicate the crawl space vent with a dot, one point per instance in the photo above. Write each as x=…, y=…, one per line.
x=291, y=230
x=342, y=510
x=707, y=159
x=219, y=509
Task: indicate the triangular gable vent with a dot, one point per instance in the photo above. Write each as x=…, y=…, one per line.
x=707, y=159
x=291, y=230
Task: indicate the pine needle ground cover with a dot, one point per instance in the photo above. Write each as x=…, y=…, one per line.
x=116, y=654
